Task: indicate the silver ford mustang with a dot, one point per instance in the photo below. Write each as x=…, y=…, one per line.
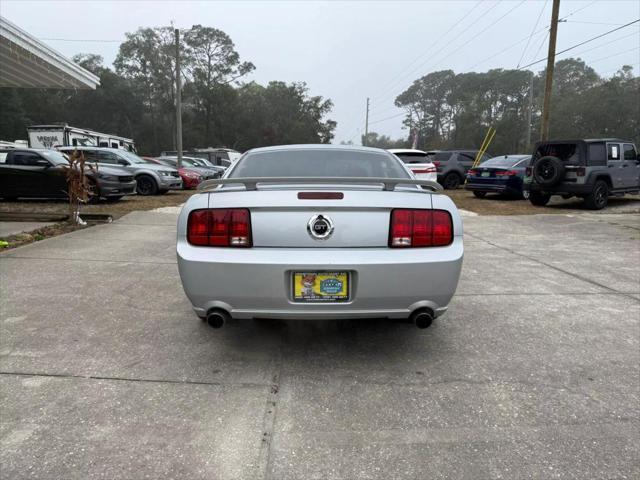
x=319, y=232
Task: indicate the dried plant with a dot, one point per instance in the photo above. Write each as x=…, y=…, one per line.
x=81, y=189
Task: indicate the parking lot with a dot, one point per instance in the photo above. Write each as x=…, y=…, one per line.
x=533, y=373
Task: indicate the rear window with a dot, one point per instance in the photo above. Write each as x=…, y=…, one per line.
x=414, y=157
x=318, y=163
x=438, y=156
x=597, y=153
x=508, y=161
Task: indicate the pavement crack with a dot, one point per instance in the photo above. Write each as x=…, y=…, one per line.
x=269, y=420
x=135, y=380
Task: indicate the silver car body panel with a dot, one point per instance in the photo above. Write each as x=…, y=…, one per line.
x=257, y=281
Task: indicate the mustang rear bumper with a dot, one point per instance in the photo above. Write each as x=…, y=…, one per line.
x=257, y=282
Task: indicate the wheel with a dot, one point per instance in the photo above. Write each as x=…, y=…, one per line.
x=598, y=197
x=146, y=185
x=548, y=171
x=525, y=194
x=479, y=194
x=539, y=199
x=451, y=181
x=114, y=199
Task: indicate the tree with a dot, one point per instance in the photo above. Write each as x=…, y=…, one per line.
x=373, y=139
x=214, y=63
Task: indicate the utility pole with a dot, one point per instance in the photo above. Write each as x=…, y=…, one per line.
x=366, y=125
x=529, y=112
x=178, y=101
x=551, y=60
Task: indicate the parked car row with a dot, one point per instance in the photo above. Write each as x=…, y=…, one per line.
x=42, y=173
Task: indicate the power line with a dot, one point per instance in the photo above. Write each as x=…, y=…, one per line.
x=388, y=118
x=437, y=53
x=507, y=48
x=578, y=10
x=592, y=23
x=582, y=43
x=614, y=55
x=607, y=43
x=531, y=34
x=440, y=38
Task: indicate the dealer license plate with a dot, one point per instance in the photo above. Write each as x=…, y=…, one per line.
x=320, y=286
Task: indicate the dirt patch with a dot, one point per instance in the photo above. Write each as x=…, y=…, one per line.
x=115, y=209
x=61, y=207
x=499, y=205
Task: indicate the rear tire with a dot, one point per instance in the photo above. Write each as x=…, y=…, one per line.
x=451, y=181
x=598, y=197
x=539, y=199
x=146, y=185
x=479, y=194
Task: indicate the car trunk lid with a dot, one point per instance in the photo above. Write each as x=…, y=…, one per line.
x=281, y=218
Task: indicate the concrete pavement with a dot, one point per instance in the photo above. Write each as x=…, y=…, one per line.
x=533, y=373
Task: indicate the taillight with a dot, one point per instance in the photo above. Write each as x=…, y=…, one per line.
x=581, y=171
x=506, y=173
x=472, y=173
x=424, y=170
x=420, y=228
x=528, y=171
x=220, y=227
x=436, y=163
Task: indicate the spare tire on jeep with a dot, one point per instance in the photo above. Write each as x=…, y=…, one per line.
x=547, y=171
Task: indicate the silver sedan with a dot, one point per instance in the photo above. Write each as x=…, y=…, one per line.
x=319, y=232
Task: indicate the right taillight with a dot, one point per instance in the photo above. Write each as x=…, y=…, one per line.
x=220, y=227
x=411, y=228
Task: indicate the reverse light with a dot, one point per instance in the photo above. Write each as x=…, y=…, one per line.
x=411, y=228
x=220, y=227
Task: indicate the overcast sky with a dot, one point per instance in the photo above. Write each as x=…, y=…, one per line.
x=347, y=51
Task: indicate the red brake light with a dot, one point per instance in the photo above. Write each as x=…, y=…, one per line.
x=220, y=227
x=506, y=173
x=473, y=173
x=420, y=228
x=424, y=170
x=436, y=163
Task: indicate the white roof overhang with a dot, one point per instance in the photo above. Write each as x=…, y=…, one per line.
x=27, y=62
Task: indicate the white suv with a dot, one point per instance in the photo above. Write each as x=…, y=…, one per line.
x=416, y=161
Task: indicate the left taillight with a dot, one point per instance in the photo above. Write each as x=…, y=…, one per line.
x=219, y=227
x=411, y=228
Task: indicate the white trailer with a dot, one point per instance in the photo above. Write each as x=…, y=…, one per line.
x=52, y=136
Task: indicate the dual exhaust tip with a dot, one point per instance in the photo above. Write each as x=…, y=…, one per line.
x=421, y=318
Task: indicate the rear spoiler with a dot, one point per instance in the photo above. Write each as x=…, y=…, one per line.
x=251, y=183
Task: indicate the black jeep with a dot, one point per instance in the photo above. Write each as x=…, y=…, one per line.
x=592, y=169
